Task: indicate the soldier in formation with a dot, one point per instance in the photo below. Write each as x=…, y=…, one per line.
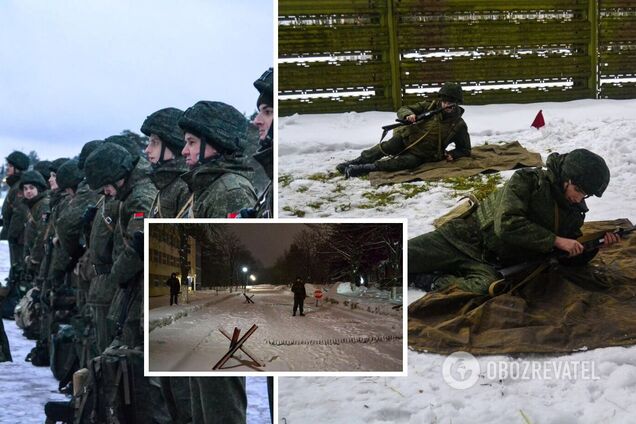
x=75, y=230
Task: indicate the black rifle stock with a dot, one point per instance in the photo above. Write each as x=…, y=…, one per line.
x=404, y=122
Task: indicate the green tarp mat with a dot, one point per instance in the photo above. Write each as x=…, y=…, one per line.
x=484, y=159
x=564, y=309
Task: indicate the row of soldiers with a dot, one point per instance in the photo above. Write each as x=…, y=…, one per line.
x=76, y=243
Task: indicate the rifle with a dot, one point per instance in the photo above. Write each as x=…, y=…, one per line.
x=500, y=286
x=403, y=122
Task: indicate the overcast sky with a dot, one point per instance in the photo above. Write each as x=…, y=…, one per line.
x=267, y=242
x=77, y=70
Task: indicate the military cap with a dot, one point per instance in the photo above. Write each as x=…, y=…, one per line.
x=165, y=124
x=587, y=170
x=19, y=160
x=452, y=91
x=106, y=165
x=55, y=165
x=69, y=175
x=216, y=123
x=127, y=143
x=265, y=86
x=33, y=178
x=44, y=168
x=87, y=149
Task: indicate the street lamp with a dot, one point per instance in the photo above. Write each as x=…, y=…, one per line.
x=244, y=269
x=252, y=277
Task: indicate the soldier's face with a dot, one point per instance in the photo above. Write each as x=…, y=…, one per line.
x=110, y=190
x=192, y=148
x=10, y=169
x=53, y=181
x=573, y=193
x=448, y=105
x=153, y=150
x=29, y=191
x=263, y=120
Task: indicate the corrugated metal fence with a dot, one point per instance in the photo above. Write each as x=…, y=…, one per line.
x=343, y=55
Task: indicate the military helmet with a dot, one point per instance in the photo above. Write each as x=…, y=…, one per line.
x=128, y=143
x=265, y=86
x=452, y=91
x=44, y=168
x=587, y=170
x=69, y=175
x=34, y=178
x=19, y=160
x=165, y=124
x=55, y=165
x=106, y=165
x=216, y=123
x=87, y=149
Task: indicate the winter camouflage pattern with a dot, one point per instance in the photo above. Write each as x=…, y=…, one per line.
x=173, y=193
x=165, y=124
x=218, y=123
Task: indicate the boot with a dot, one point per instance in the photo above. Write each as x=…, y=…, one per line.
x=359, y=170
x=341, y=167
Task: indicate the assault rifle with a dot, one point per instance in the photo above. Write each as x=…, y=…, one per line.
x=404, y=122
x=554, y=258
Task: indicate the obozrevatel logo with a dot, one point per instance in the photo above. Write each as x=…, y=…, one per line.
x=460, y=370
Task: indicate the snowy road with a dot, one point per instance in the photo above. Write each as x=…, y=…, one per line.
x=193, y=343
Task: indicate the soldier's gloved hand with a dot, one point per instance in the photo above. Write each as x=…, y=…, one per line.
x=89, y=214
x=138, y=243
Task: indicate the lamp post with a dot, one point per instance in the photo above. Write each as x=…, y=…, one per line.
x=244, y=277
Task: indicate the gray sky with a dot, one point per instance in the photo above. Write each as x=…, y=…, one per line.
x=267, y=241
x=76, y=70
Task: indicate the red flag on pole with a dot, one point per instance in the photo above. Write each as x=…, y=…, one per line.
x=538, y=120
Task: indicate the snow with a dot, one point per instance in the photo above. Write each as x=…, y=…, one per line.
x=312, y=144
x=327, y=338
x=25, y=389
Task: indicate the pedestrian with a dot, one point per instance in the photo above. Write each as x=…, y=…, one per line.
x=419, y=142
x=298, y=288
x=175, y=288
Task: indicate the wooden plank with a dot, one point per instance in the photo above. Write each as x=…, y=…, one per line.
x=489, y=5
x=325, y=75
x=616, y=4
x=322, y=40
x=494, y=34
x=329, y=7
x=492, y=68
x=614, y=29
x=530, y=95
x=615, y=64
x=624, y=91
x=347, y=104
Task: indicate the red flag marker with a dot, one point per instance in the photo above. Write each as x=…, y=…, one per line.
x=538, y=120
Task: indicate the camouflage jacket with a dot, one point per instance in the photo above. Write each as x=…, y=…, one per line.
x=57, y=203
x=220, y=187
x=69, y=225
x=173, y=192
x=9, y=203
x=429, y=139
x=519, y=221
x=35, y=229
x=135, y=199
x=265, y=205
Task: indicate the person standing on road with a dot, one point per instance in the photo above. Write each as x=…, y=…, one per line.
x=298, y=288
x=175, y=288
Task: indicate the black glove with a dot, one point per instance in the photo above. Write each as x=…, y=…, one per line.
x=138, y=243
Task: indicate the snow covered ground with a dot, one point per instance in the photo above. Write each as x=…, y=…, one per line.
x=314, y=144
x=327, y=338
x=310, y=146
x=24, y=389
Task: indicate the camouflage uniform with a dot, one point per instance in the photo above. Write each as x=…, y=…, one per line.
x=264, y=207
x=173, y=193
x=517, y=222
x=220, y=185
x=218, y=400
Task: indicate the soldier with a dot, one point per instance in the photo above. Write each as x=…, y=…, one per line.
x=298, y=288
x=536, y=211
x=164, y=154
x=219, y=178
x=424, y=141
x=263, y=121
x=34, y=189
x=112, y=169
